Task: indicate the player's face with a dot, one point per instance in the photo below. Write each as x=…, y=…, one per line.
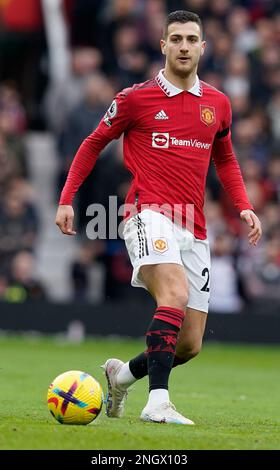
x=183, y=47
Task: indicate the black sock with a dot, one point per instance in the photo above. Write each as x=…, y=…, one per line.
x=139, y=365
x=161, y=340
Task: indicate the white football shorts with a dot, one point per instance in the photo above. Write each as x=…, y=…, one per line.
x=152, y=238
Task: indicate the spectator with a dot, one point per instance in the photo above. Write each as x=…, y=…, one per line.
x=84, y=269
x=263, y=272
x=18, y=225
x=64, y=95
x=97, y=95
x=23, y=283
x=225, y=296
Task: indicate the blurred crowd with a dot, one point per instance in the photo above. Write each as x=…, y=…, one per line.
x=66, y=86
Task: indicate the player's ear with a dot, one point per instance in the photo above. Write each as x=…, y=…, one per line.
x=163, y=46
x=203, y=45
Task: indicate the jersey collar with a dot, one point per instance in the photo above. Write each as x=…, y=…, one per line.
x=171, y=90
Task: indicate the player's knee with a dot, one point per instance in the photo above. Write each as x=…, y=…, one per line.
x=174, y=297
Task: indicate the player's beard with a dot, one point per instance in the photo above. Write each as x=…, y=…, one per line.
x=182, y=72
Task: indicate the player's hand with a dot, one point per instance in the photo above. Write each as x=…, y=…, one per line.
x=64, y=219
x=254, y=222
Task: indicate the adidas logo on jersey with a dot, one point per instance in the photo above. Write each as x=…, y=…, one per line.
x=161, y=115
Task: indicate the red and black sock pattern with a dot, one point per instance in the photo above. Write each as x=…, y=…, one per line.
x=161, y=340
x=174, y=316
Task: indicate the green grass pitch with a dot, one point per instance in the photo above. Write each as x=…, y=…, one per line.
x=231, y=392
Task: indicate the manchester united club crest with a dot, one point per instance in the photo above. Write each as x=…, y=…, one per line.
x=160, y=245
x=207, y=115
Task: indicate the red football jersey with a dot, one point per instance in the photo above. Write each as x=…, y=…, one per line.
x=169, y=137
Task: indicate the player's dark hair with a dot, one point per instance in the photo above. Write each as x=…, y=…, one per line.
x=181, y=16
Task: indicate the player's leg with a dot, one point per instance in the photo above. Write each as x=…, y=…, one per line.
x=188, y=346
x=190, y=336
x=197, y=267
x=155, y=255
x=168, y=285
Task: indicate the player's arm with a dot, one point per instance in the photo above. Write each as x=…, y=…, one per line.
x=229, y=173
x=115, y=122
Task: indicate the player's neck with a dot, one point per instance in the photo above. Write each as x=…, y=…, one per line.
x=183, y=83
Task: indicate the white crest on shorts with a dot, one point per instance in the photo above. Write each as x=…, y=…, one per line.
x=160, y=245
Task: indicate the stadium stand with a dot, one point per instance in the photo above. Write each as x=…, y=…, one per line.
x=53, y=95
